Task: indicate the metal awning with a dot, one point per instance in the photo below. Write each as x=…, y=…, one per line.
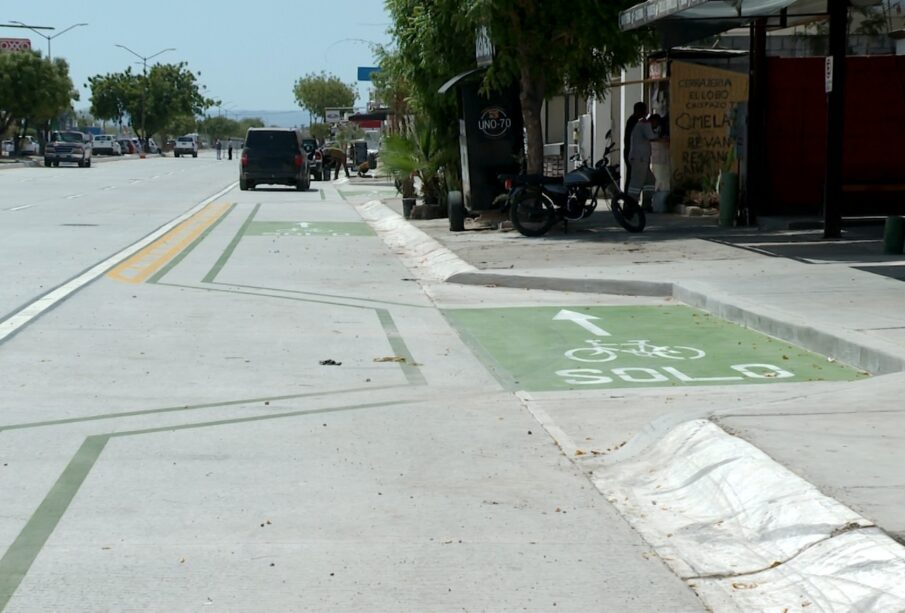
x=458, y=78
x=682, y=21
x=651, y=11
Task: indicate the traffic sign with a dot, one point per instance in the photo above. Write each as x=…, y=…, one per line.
x=15, y=44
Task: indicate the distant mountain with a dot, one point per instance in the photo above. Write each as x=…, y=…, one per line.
x=281, y=119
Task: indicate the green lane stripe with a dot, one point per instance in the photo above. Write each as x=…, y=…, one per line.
x=251, y=293
x=221, y=262
x=25, y=549
x=182, y=254
x=196, y=407
x=323, y=194
x=244, y=420
x=413, y=375
x=412, y=372
x=22, y=553
x=295, y=291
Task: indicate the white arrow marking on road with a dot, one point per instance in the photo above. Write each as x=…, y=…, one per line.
x=582, y=320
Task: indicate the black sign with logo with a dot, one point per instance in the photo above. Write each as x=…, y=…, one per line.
x=494, y=122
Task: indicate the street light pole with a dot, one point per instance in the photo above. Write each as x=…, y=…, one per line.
x=144, y=72
x=37, y=30
x=49, y=38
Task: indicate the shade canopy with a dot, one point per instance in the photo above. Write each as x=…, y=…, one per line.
x=682, y=21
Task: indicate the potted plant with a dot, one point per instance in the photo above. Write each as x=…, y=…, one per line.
x=728, y=188
x=417, y=159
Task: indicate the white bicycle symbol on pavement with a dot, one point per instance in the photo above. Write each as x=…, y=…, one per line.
x=606, y=352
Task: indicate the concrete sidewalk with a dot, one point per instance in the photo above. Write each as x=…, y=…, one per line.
x=844, y=299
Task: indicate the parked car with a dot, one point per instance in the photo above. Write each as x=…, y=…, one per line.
x=28, y=145
x=126, y=145
x=152, y=146
x=315, y=159
x=68, y=146
x=106, y=144
x=275, y=156
x=186, y=145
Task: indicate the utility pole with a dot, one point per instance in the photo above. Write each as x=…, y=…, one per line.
x=835, y=130
x=144, y=84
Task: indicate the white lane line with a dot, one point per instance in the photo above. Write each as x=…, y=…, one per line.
x=29, y=312
x=109, y=187
x=74, y=196
x=20, y=208
x=559, y=436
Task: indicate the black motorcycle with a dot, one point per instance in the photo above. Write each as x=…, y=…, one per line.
x=536, y=202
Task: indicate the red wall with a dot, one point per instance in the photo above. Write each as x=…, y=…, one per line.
x=796, y=132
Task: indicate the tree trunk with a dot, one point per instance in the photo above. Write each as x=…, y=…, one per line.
x=531, y=96
x=19, y=137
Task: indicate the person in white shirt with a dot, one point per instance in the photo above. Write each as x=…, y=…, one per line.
x=642, y=177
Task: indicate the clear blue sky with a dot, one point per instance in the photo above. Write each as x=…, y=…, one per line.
x=249, y=53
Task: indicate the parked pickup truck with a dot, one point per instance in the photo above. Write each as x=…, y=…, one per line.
x=68, y=146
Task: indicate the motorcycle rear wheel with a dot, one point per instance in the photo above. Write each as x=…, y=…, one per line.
x=628, y=212
x=532, y=213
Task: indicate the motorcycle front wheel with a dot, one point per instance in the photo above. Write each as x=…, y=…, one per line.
x=628, y=212
x=532, y=213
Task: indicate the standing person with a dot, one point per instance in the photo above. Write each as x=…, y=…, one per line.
x=640, y=112
x=219, y=146
x=229, y=150
x=642, y=177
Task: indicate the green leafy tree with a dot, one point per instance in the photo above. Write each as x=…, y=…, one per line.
x=33, y=90
x=151, y=101
x=219, y=127
x=346, y=133
x=109, y=94
x=546, y=47
x=181, y=124
x=320, y=131
x=249, y=122
x=543, y=46
x=318, y=92
x=434, y=41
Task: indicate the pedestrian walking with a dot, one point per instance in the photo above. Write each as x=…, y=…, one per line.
x=229, y=151
x=219, y=146
x=639, y=113
x=642, y=177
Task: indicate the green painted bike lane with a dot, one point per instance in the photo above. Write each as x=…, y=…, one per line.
x=567, y=348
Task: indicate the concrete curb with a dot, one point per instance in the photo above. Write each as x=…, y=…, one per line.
x=742, y=530
x=859, y=350
x=421, y=253
x=588, y=286
x=748, y=534
x=438, y=263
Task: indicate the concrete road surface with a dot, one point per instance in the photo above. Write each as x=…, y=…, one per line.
x=216, y=400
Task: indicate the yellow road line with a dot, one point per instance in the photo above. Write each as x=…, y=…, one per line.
x=155, y=256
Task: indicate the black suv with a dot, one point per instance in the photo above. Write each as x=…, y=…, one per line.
x=274, y=155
